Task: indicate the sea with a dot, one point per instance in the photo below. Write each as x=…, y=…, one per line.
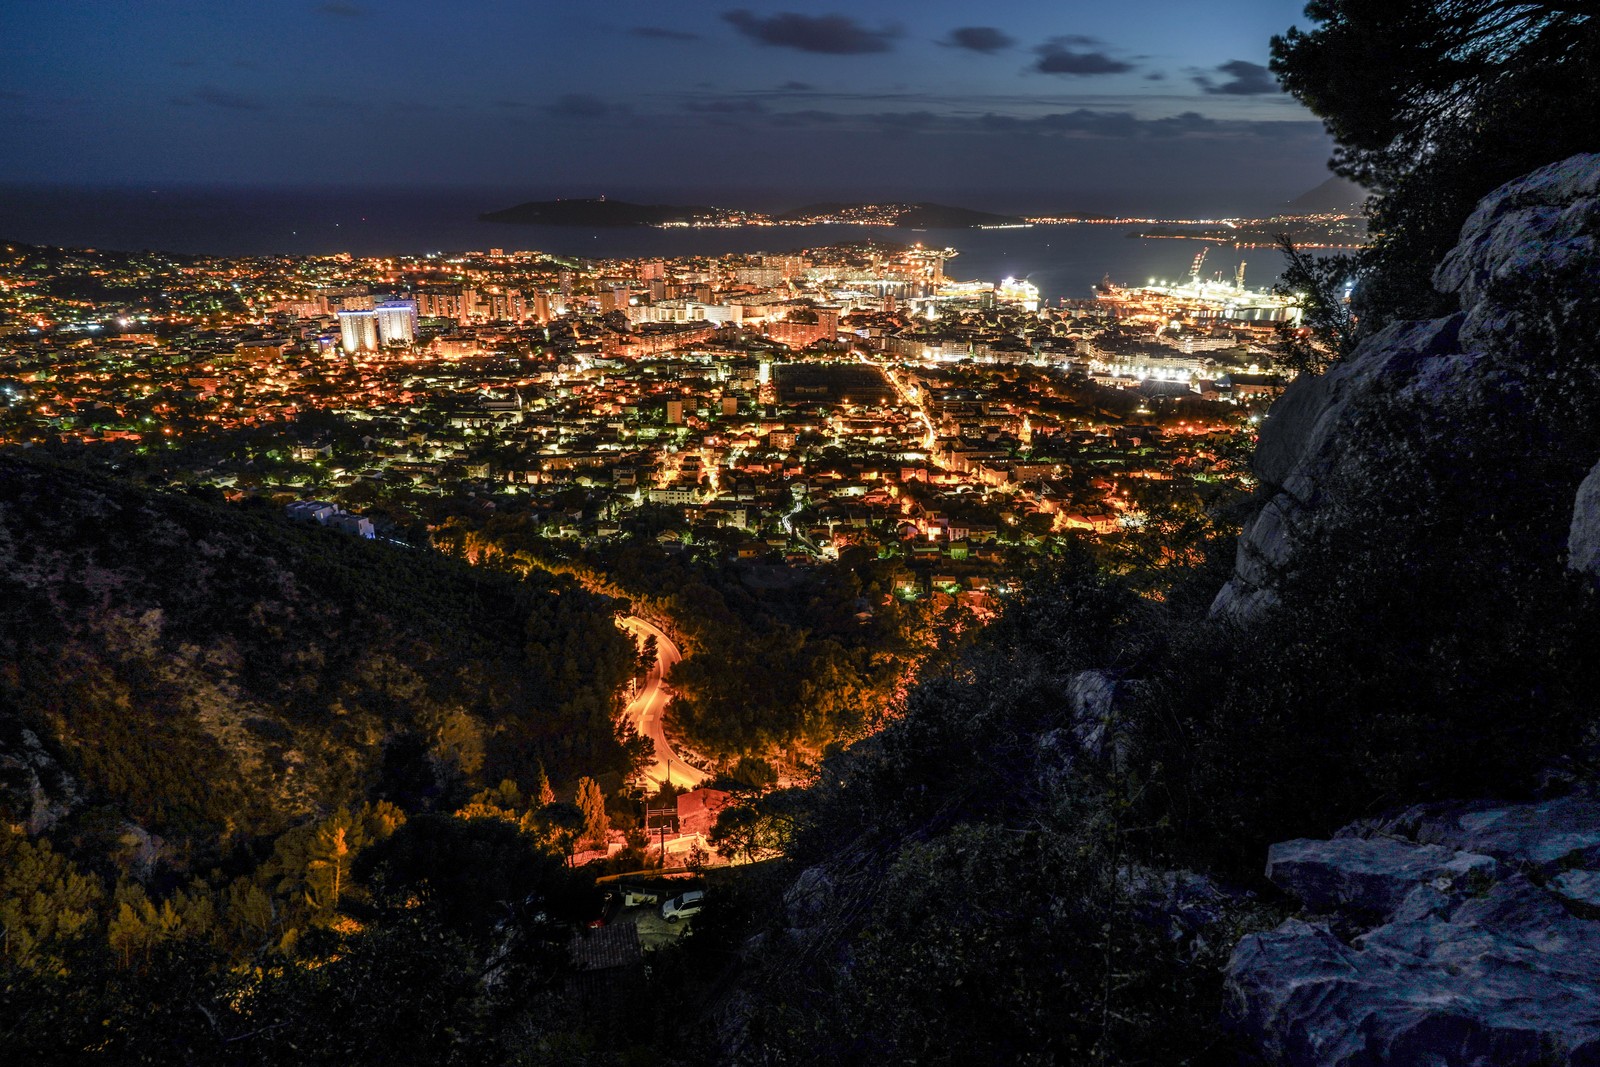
x=1062, y=261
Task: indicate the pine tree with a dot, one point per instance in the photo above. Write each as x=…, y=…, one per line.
x=547, y=795
x=328, y=869
x=596, y=824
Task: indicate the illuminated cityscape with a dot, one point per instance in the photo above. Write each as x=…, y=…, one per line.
x=795, y=403
x=777, y=535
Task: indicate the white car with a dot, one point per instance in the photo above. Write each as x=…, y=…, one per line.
x=683, y=906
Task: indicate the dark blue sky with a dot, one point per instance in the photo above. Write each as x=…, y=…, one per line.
x=1007, y=105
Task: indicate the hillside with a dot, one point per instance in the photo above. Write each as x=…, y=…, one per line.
x=1334, y=196
x=207, y=673
x=917, y=216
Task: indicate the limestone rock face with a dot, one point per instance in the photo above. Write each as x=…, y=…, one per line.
x=1539, y=224
x=1549, y=836
x=1542, y=226
x=1373, y=876
x=1415, y=951
x=1583, y=537
x=809, y=900
x=33, y=786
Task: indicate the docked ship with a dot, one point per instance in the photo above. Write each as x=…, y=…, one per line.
x=1197, y=300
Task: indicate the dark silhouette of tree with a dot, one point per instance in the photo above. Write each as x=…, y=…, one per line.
x=1327, y=330
x=1435, y=103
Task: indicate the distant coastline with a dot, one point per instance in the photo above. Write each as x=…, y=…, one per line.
x=1062, y=255
x=601, y=212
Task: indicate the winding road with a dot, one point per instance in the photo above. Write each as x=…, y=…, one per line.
x=646, y=709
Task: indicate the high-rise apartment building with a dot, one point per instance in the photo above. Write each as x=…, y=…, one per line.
x=358, y=331
x=447, y=303
x=397, y=322
x=345, y=298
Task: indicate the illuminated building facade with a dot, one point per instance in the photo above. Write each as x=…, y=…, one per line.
x=358, y=331
x=397, y=322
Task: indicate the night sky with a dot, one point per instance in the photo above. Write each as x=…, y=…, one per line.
x=1003, y=106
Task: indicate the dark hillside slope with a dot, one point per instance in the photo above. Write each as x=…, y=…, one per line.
x=205, y=670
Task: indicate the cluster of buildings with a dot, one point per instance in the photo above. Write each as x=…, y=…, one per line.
x=769, y=408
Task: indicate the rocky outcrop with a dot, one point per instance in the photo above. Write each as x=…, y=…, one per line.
x=1583, y=536
x=34, y=789
x=1368, y=876
x=1545, y=226
x=1446, y=935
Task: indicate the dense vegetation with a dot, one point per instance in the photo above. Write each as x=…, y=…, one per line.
x=779, y=661
x=244, y=814
x=1435, y=103
x=213, y=674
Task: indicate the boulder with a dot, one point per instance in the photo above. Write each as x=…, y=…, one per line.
x=1580, y=889
x=1092, y=697
x=1093, y=733
x=34, y=789
x=1480, y=958
x=1541, y=223
x=1506, y=981
x=1544, y=835
x=1372, y=876
x=1583, y=535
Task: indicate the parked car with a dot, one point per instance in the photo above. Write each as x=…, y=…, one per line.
x=683, y=906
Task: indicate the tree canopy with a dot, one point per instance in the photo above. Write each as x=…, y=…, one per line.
x=1435, y=103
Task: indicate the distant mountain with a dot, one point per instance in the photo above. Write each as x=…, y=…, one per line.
x=1334, y=195
x=600, y=212
x=922, y=216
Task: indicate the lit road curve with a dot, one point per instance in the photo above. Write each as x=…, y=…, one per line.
x=647, y=709
x=904, y=394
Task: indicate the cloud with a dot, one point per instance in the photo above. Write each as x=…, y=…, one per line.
x=342, y=10
x=838, y=35
x=1077, y=124
x=660, y=33
x=1057, y=56
x=811, y=117
x=583, y=106
x=1244, y=79
x=225, y=99
x=728, y=106
x=985, y=39
x=12, y=94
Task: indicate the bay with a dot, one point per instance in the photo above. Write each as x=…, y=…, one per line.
x=1063, y=261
